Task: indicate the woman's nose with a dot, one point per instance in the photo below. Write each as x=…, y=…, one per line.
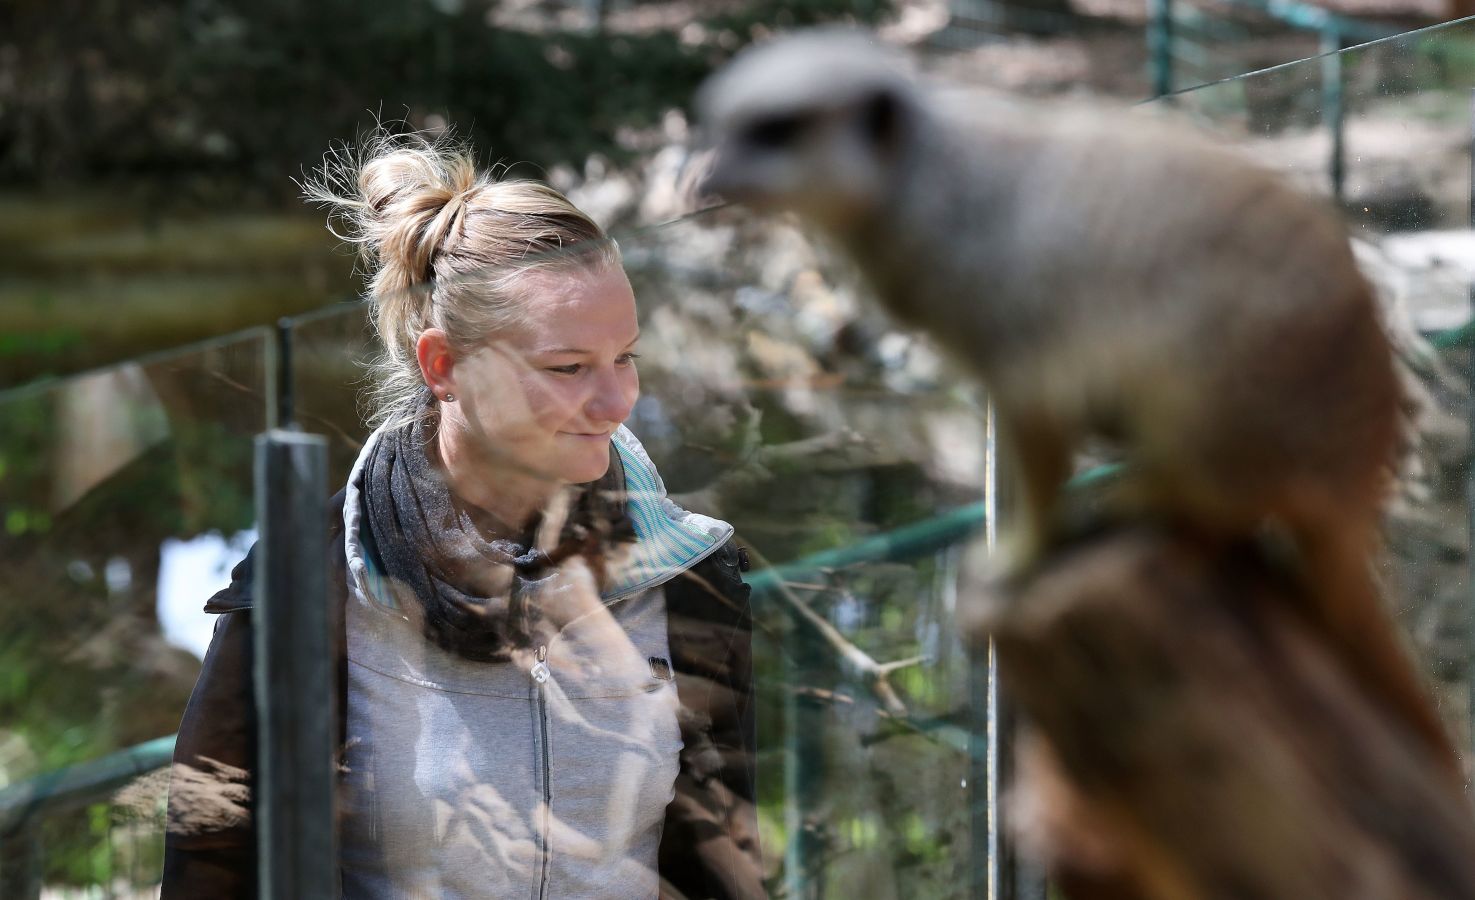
x=614, y=395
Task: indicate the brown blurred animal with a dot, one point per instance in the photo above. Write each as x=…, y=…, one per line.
x=1105, y=276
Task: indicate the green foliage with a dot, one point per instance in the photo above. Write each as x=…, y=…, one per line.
x=27, y=444
x=48, y=344
x=248, y=93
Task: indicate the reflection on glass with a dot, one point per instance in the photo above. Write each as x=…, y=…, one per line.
x=563, y=688
x=101, y=476
x=330, y=350
x=787, y=404
x=1404, y=131
x=777, y=406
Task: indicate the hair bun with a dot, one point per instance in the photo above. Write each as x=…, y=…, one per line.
x=401, y=199
x=416, y=193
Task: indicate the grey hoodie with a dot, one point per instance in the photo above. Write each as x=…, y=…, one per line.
x=547, y=776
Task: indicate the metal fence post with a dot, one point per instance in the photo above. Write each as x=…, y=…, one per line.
x=804, y=776
x=20, y=865
x=296, y=697
x=1469, y=344
x=1003, y=875
x=1160, y=46
x=1333, y=112
x=982, y=788
x=284, y=396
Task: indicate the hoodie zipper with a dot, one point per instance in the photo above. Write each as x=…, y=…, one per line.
x=540, y=675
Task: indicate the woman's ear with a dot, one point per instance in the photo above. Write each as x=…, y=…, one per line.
x=437, y=365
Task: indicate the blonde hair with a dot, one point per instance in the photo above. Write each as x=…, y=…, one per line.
x=445, y=245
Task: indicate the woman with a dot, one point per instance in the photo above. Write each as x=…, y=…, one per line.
x=545, y=661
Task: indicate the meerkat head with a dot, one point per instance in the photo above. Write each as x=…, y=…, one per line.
x=811, y=122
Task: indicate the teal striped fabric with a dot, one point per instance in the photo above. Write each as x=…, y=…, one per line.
x=668, y=539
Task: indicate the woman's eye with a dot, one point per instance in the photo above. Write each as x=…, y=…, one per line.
x=624, y=359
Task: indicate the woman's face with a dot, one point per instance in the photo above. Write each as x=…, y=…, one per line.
x=544, y=397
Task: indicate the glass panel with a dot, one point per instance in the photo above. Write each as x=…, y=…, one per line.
x=331, y=349
x=776, y=396
x=1394, y=118
x=125, y=496
x=773, y=396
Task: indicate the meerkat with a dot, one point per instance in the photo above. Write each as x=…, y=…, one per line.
x=1105, y=275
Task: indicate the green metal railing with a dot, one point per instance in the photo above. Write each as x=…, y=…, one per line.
x=1168, y=19
x=79, y=785
x=24, y=806
x=1166, y=47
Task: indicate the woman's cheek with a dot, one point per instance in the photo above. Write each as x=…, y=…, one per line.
x=557, y=402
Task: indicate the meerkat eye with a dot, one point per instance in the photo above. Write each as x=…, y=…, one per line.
x=774, y=132
x=878, y=117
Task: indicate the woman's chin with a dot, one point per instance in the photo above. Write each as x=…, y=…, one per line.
x=588, y=467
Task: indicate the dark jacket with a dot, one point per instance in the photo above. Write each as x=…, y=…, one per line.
x=709, y=845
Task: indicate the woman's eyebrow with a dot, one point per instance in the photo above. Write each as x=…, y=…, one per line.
x=579, y=350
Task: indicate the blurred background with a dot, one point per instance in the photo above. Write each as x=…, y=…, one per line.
x=156, y=261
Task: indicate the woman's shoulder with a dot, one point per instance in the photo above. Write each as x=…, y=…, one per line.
x=237, y=596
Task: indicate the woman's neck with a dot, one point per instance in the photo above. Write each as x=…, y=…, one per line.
x=498, y=487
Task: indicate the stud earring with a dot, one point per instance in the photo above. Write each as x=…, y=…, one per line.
x=450, y=398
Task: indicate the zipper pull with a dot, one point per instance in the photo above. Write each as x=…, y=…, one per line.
x=540, y=668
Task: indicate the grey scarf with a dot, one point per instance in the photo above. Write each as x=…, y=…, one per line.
x=478, y=595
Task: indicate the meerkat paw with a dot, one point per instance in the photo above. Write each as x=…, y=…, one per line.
x=1016, y=554
x=985, y=576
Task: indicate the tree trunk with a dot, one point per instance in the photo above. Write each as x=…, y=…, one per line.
x=1192, y=739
